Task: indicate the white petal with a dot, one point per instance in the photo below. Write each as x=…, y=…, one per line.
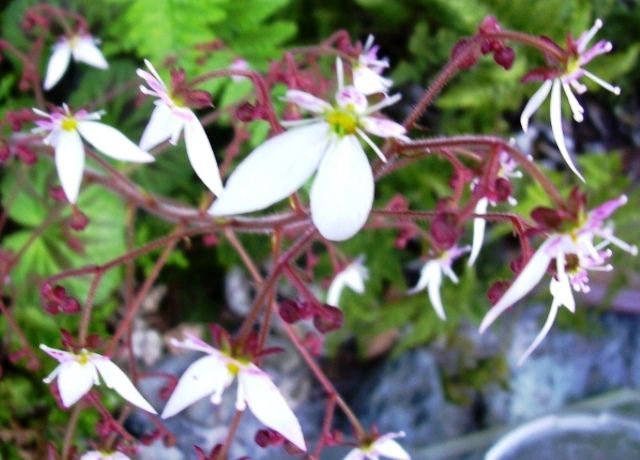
x=269, y=406
x=74, y=381
x=273, y=171
x=57, y=66
x=355, y=454
x=369, y=82
x=542, y=334
x=69, y=161
x=606, y=85
x=116, y=379
x=112, y=142
x=340, y=73
x=352, y=99
x=433, y=287
x=192, y=342
x=390, y=448
x=561, y=289
x=425, y=275
x=530, y=275
x=201, y=155
x=534, y=104
x=60, y=355
x=160, y=126
x=85, y=50
x=202, y=378
x=382, y=127
x=307, y=101
x=342, y=192
x=576, y=109
x=556, y=126
x=371, y=144
x=335, y=290
x=479, y=225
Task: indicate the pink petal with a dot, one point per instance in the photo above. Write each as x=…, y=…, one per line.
x=307, y=101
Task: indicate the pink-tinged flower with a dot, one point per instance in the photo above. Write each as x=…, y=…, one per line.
x=212, y=374
x=82, y=47
x=352, y=276
x=506, y=172
x=573, y=253
x=65, y=133
x=431, y=276
x=171, y=117
x=239, y=64
x=104, y=455
x=78, y=372
x=342, y=192
x=568, y=80
x=384, y=446
x=367, y=72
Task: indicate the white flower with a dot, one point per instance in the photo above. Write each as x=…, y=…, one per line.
x=102, y=455
x=77, y=373
x=431, y=276
x=82, y=47
x=507, y=171
x=568, y=80
x=239, y=64
x=575, y=253
x=212, y=374
x=367, y=72
x=66, y=131
x=384, y=446
x=352, y=276
x=342, y=192
x=170, y=117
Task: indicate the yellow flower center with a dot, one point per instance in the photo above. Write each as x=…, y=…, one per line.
x=69, y=124
x=178, y=101
x=83, y=357
x=573, y=65
x=342, y=122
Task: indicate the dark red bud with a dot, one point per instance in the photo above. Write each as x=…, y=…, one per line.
x=26, y=155
x=70, y=306
x=445, y=229
x=198, y=99
x=489, y=25
x=470, y=57
x=246, y=112
x=53, y=308
x=502, y=189
x=68, y=340
x=292, y=311
x=328, y=319
x=504, y=57
x=5, y=153
x=56, y=193
x=78, y=221
x=547, y=217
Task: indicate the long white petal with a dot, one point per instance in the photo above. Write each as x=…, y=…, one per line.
x=57, y=65
x=335, y=290
x=433, y=288
x=534, y=104
x=390, y=448
x=69, y=161
x=160, y=126
x=202, y=378
x=479, y=225
x=307, y=101
x=117, y=380
x=112, y=142
x=74, y=381
x=576, y=109
x=355, y=454
x=369, y=82
x=269, y=406
x=85, y=50
x=201, y=156
x=530, y=275
x=342, y=193
x=273, y=171
x=542, y=334
x=556, y=126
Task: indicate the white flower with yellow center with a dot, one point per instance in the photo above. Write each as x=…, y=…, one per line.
x=78, y=372
x=383, y=446
x=81, y=47
x=212, y=374
x=66, y=131
x=103, y=455
x=352, y=276
x=342, y=192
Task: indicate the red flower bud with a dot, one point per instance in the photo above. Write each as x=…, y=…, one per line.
x=328, y=318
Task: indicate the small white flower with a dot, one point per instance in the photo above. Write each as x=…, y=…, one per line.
x=575, y=253
x=77, y=373
x=170, y=117
x=102, y=455
x=384, y=446
x=212, y=374
x=342, y=192
x=431, y=276
x=66, y=131
x=352, y=276
x=239, y=64
x=82, y=47
x=367, y=72
x=568, y=80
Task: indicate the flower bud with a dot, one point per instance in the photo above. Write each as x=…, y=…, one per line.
x=328, y=319
x=292, y=311
x=78, y=220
